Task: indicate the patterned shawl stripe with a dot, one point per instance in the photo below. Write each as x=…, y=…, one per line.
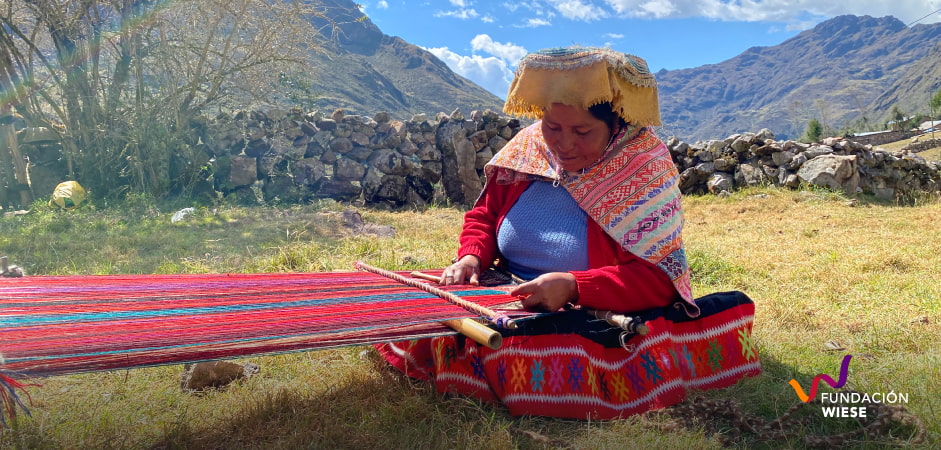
x=650, y=229
x=664, y=246
x=522, y=158
x=634, y=204
x=642, y=204
x=638, y=162
x=620, y=199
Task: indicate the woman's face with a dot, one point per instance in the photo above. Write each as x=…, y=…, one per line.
x=574, y=136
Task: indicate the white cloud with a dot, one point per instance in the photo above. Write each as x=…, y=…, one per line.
x=614, y=35
x=382, y=4
x=491, y=73
x=459, y=3
x=658, y=8
x=578, y=10
x=796, y=13
x=535, y=22
x=459, y=14
x=534, y=6
x=509, y=52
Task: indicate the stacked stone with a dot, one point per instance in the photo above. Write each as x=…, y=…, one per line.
x=291, y=156
x=921, y=145
x=751, y=159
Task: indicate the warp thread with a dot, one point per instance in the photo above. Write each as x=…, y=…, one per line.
x=10, y=401
x=500, y=320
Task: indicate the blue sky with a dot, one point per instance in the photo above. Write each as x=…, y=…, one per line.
x=483, y=40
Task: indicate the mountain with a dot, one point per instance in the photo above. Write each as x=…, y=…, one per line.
x=363, y=71
x=846, y=72
x=915, y=88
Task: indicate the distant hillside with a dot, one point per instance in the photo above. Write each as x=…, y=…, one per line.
x=845, y=71
x=914, y=90
x=365, y=71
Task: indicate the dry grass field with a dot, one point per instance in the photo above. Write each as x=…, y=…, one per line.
x=830, y=277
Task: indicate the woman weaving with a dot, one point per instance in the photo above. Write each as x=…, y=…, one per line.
x=584, y=207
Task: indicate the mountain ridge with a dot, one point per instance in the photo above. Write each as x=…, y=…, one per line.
x=847, y=72
x=837, y=72
x=362, y=70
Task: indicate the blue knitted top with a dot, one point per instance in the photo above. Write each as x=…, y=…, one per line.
x=544, y=231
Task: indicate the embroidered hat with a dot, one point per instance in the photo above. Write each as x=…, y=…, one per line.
x=583, y=77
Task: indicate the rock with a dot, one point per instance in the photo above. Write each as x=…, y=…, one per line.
x=382, y=117
x=338, y=115
x=836, y=172
x=720, y=182
x=243, y=171
x=207, y=375
x=348, y=170
x=393, y=189
x=751, y=174
x=341, y=145
x=182, y=214
x=35, y=135
x=781, y=158
x=340, y=190
x=308, y=171
x=389, y=162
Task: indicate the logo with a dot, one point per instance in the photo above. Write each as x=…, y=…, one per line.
x=814, y=385
x=844, y=404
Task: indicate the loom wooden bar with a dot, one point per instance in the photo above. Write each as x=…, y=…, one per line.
x=468, y=327
x=476, y=331
x=499, y=319
x=425, y=276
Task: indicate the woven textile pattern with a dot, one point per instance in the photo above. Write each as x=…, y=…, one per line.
x=52, y=325
x=570, y=375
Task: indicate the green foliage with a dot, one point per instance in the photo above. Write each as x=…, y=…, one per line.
x=936, y=102
x=814, y=131
x=899, y=121
x=298, y=91
x=125, y=102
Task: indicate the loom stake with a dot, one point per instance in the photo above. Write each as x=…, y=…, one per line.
x=500, y=320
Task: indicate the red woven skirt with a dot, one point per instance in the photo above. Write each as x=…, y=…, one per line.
x=569, y=365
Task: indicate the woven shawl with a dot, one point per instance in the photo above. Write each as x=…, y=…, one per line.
x=632, y=192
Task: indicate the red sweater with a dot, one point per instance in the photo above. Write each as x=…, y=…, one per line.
x=616, y=280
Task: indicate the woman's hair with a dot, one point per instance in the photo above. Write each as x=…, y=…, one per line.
x=605, y=113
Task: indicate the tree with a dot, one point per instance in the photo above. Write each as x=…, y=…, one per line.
x=122, y=80
x=935, y=103
x=814, y=130
x=897, y=118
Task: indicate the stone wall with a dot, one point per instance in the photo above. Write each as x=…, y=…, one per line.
x=922, y=143
x=403, y=162
x=751, y=159
x=292, y=156
x=883, y=137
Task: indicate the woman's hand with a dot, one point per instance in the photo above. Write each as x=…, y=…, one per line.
x=465, y=271
x=548, y=292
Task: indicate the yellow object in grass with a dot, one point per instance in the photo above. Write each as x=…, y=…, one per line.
x=68, y=195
